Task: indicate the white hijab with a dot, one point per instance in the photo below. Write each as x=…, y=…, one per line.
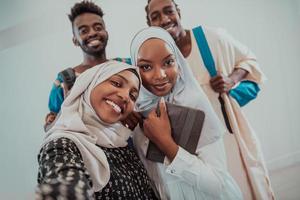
x=79, y=122
x=186, y=91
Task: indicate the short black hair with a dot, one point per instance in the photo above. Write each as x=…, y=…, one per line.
x=147, y=10
x=84, y=7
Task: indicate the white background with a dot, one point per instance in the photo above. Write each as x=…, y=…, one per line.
x=35, y=44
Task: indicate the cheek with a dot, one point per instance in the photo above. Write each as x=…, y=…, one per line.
x=129, y=110
x=172, y=74
x=146, y=78
x=104, y=34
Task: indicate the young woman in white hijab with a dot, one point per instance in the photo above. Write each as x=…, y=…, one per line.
x=165, y=73
x=85, y=155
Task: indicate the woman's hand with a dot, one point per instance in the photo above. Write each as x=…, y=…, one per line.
x=158, y=130
x=132, y=120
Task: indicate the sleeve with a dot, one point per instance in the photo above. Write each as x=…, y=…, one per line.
x=237, y=55
x=56, y=96
x=124, y=60
x=207, y=171
x=62, y=174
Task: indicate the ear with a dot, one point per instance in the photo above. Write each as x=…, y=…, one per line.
x=148, y=21
x=75, y=41
x=179, y=14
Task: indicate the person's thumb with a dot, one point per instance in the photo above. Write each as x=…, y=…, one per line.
x=163, y=107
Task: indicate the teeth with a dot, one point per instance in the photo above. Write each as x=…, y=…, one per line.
x=169, y=27
x=93, y=43
x=114, y=106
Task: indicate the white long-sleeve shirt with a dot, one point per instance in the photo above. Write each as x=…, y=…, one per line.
x=188, y=176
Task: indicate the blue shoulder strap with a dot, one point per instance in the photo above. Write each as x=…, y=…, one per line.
x=205, y=51
x=210, y=66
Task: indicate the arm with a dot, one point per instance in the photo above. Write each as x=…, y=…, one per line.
x=222, y=83
x=56, y=99
x=206, y=170
x=237, y=61
x=62, y=172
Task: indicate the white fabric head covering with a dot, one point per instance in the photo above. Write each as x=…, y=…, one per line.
x=186, y=91
x=79, y=122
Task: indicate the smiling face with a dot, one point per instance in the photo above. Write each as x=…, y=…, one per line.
x=158, y=67
x=90, y=33
x=163, y=13
x=113, y=99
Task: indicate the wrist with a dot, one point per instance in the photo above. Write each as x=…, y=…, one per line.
x=170, y=149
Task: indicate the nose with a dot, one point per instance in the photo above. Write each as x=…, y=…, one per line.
x=165, y=19
x=124, y=95
x=160, y=74
x=92, y=33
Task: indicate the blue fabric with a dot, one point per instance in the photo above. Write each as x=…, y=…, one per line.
x=126, y=60
x=205, y=51
x=245, y=91
x=56, y=96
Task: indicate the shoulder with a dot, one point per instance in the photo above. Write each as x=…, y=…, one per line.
x=59, y=146
x=218, y=37
x=215, y=33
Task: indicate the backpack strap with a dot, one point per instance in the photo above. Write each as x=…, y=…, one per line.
x=69, y=77
x=210, y=66
x=205, y=51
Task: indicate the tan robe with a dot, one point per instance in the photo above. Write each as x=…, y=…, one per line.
x=244, y=156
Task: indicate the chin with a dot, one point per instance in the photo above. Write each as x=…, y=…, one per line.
x=161, y=93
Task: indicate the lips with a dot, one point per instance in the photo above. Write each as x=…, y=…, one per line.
x=118, y=108
x=161, y=86
x=169, y=27
x=93, y=43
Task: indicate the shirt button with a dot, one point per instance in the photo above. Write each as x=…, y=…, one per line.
x=172, y=171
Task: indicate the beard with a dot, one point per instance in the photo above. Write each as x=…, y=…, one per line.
x=94, y=51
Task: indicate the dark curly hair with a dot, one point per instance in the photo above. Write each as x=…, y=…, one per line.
x=147, y=10
x=84, y=7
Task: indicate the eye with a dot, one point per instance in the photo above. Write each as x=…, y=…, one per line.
x=169, y=12
x=170, y=62
x=98, y=27
x=154, y=17
x=83, y=31
x=133, y=96
x=145, y=67
x=116, y=83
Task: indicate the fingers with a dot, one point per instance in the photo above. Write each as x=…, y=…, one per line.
x=221, y=83
x=50, y=118
x=162, y=107
x=132, y=120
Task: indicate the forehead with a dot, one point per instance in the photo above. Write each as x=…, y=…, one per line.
x=157, y=5
x=87, y=19
x=129, y=77
x=154, y=47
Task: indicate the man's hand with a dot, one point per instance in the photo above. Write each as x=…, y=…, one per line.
x=50, y=117
x=221, y=83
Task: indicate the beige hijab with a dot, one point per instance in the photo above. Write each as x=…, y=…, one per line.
x=79, y=122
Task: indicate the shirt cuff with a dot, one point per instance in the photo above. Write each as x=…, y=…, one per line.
x=179, y=163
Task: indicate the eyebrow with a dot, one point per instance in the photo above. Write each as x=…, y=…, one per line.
x=82, y=26
x=122, y=77
x=145, y=60
x=168, y=56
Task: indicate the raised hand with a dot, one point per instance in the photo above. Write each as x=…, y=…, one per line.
x=132, y=120
x=158, y=130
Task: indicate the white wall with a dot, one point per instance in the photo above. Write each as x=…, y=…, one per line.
x=35, y=43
